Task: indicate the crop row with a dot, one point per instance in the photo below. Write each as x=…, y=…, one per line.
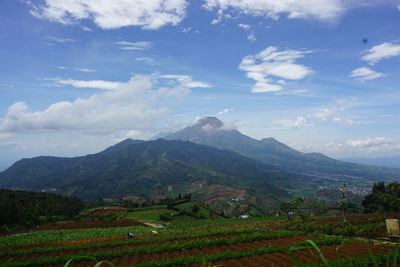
x=115, y=243
x=81, y=234
x=67, y=235
x=236, y=254
x=340, y=229
x=353, y=261
x=161, y=248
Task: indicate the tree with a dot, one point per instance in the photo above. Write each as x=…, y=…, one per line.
x=384, y=198
x=291, y=207
x=195, y=208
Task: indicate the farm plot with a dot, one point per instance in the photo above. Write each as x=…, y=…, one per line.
x=357, y=225
x=238, y=242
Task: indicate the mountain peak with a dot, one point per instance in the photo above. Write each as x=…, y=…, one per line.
x=209, y=123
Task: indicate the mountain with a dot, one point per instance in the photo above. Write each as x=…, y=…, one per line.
x=148, y=168
x=391, y=162
x=212, y=132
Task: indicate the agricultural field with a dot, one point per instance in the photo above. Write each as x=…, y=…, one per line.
x=218, y=242
x=151, y=215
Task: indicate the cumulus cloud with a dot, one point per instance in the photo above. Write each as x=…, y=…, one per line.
x=365, y=73
x=269, y=67
x=134, y=45
x=323, y=10
x=227, y=110
x=97, y=84
x=382, y=51
x=149, y=14
x=132, y=105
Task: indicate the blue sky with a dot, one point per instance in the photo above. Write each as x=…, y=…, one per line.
x=319, y=75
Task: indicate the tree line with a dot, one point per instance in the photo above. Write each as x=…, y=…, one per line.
x=28, y=208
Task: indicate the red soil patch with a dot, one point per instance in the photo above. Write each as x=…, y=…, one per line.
x=307, y=256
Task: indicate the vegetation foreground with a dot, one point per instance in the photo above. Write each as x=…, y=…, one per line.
x=217, y=242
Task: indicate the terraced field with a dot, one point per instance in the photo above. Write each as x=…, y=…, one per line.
x=224, y=242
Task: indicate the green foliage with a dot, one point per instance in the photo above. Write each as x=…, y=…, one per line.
x=291, y=207
x=142, y=241
x=384, y=198
x=65, y=235
x=32, y=208
x=150, y=215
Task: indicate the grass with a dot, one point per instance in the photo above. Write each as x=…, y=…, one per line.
x=152, y=215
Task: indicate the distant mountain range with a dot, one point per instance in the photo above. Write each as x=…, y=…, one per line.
x=207, y=159
x=212, y=132
x=390, y=162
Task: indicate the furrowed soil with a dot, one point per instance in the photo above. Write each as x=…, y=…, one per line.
x=306, y=255
x=136, y=259
x=111, y=248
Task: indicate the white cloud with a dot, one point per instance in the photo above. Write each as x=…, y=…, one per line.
x=60, y=40
x=148, y=60
x=270, y=63
x=324, y=10
x=186, y=81
x=373, y=143
x=132, y=105
x=227, y=110
x=85, y=70
x=62, y=68
x=97, y=84
x=299, y=122
x=382, y=51
x=345, y=121
x=134, y=45
x=292, y=92
x=186, y=30
x=365, y=73
x=323, y=114
x=149, y=14
x=244, y=26
x=86, y=29
x=133, y=134
x=251, y=36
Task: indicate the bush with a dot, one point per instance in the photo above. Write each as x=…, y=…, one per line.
x=165, y=217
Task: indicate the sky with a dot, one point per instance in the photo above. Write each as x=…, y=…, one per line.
x=77, y=76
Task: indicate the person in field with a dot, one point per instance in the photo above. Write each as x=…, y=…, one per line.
x=130, y=236
x=154, y=233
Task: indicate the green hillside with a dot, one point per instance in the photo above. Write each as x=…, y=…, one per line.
x=145, y=168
